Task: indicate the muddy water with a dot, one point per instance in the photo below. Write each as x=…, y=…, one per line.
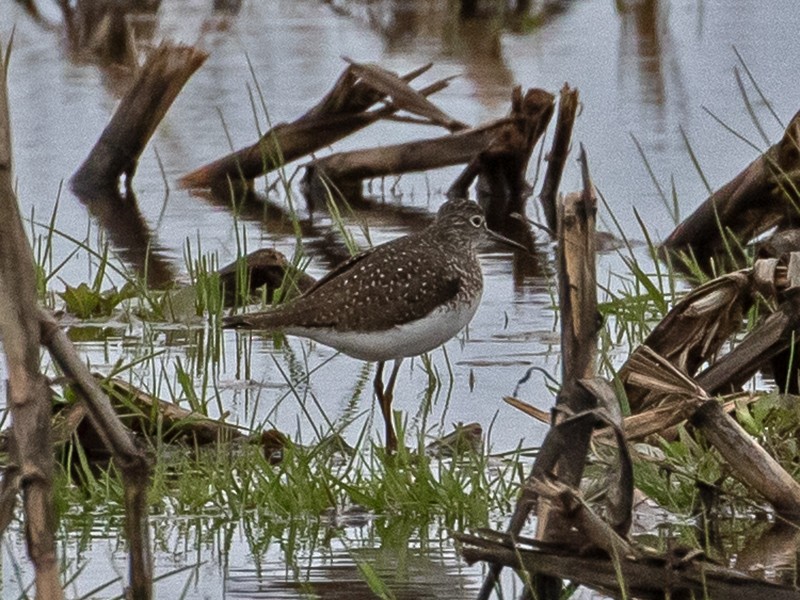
x=652, y=72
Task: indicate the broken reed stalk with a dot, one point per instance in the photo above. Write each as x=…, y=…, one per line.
x=30, y=467
x=117, y=152
x=559, y=151
x=763, y=195
x=577, y=292
x=579, y=319
x=746, y=459
x=694, y=330
x=342, y=112
x=23, y=327
x=131, y=462
x=749, y=462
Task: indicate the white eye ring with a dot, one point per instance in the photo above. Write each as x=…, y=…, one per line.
x=476, y=220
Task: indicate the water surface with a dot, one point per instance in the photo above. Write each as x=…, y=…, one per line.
x=652, y=72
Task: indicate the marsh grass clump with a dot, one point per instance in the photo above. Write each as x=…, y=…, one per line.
x=235, y=481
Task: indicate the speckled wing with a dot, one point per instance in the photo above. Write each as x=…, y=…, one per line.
x=386, y=286
x=390, y=285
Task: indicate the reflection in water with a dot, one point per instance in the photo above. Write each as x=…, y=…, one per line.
x=129, y=233
x=476, y=42
x=642, y=25
x=413, y=25
x=646, y=48
x=399, y=566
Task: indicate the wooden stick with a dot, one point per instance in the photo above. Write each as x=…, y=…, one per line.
x=578, y=299
x=421, y=155
x=579, y=325
x=654, y=576
x=747, y=460
x=559, y=150
x=131, y=462
x=117, y=151
x=31, y=465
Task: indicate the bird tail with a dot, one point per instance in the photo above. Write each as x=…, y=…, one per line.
x=252, y=321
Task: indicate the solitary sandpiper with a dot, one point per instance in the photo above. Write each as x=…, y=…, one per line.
x=402, y=298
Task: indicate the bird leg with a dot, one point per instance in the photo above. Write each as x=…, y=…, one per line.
x=385, y=396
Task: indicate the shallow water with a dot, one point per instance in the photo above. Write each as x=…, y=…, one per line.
x=649, y=73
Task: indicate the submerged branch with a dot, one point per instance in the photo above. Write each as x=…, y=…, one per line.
x=117, y=151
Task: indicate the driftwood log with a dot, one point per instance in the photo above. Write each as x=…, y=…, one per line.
x=344, y=171
x=762, y=196
x=100, y=30
x=342, y=112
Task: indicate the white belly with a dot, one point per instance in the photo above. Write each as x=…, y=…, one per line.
x=409, y=339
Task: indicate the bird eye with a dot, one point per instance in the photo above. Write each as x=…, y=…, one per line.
x=476, y=220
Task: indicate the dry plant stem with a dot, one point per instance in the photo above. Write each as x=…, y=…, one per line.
x=579, y=318
x=598, y=533
x=131, y=462
x=31, y=458
x=558, y=439
x=660, y=576
x=117, y=151
x=577, y=291
x=694, y=330
x=340, y=113
x=559, y=150
x=769, y=338
x=578, y=299
x=760, y=197
x=577, y=281
x=748, y=461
